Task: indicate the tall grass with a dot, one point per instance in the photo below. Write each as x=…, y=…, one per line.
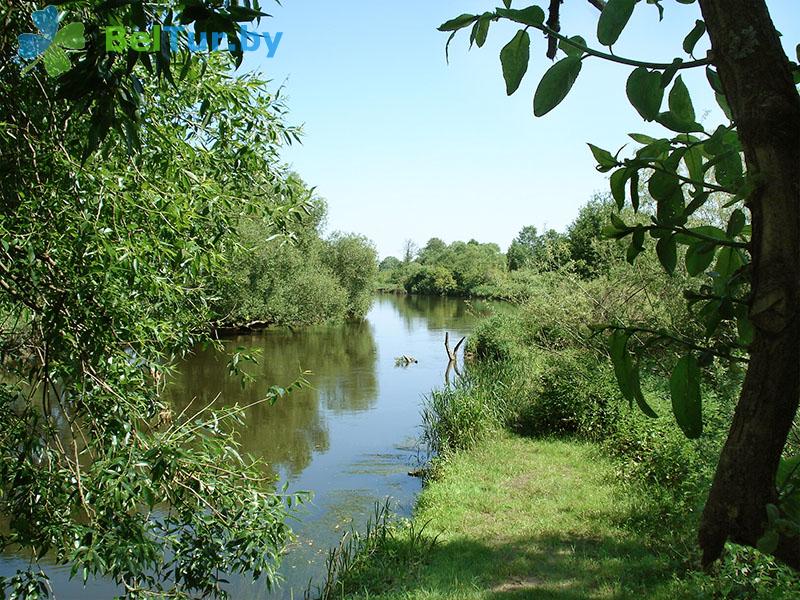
x=458, y=416
x=363, y=557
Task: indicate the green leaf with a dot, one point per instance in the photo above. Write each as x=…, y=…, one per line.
x=729, y=261
x=481, y=30
x=687, y=404
x=556, y=84
x=728, y=169
x=722, y=101
x=645, y=92
x=618, y=180
x=694, y=36
x=693, y=159
x=623, y=365
x=571, y=50
x=70, y=36
x=627, y=375
x=669, y=72
x=714, y=81
x=670, y=209
x=670, y=121
x=654, y=151
x=637, y=244
x=663, y=185
x=533, y=15
x=699, y=256
x=613, y=19
x=736, y=223
x=459, y=22
x=768, y=542
x=642, y=138
x=667, y=251
x=507, y=3
x=514, y=58
x=605, y=160
x=723, y=140
x=706, y=230
x=635, y=191
x=680, y=103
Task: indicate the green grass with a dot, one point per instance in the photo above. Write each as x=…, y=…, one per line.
x=522, y=518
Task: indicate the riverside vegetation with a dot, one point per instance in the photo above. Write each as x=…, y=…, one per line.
x=473, y=269
x=144, y=199
x=741, y=297
x=545, y=482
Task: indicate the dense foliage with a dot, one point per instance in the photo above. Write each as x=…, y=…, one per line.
x=107, y=275
x=303, y=280
x=749, y=279
x=541, y=370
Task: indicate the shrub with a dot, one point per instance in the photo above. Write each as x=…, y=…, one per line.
x=456, y=417
x=431, y=281
x=498, y=338
x=567, y=392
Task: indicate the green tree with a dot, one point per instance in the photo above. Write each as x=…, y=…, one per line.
x=354, y=261
x=520, y=252
x=585, y=232
x=754, y=283
x=106, y=269
x=390, y=263
x=552, y=251
x=432, y=251
x=435, y=280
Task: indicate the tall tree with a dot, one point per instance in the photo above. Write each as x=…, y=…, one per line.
x=755, y=280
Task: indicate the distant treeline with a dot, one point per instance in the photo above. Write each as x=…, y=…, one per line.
x=483, y=270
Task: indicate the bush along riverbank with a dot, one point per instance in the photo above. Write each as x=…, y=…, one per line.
x=301, y=278
x=547, y=484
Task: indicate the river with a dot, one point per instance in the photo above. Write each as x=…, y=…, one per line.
x=349, y=438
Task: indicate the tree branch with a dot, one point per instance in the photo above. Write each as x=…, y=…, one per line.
x=613, y=57
x=554, y=23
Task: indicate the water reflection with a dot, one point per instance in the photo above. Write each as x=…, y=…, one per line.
x=285, y=435
x=350, y=437
x=437, y=313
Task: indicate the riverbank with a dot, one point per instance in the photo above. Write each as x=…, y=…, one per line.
x=516, y=517
x=524, y=518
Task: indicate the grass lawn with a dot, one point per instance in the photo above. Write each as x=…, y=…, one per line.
x=522, y=518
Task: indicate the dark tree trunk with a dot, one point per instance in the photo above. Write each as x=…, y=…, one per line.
x=757, y=80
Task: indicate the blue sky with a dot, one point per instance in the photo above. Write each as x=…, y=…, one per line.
x=403, y=145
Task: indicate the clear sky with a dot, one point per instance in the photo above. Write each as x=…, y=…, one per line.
x=403, y=145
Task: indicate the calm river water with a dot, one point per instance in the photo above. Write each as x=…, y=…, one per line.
x=350, y=438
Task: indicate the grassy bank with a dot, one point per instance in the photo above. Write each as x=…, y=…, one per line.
x=522, y=518
x=516, y=517
x=547, y=484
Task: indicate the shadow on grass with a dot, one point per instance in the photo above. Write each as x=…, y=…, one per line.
x=557, y=567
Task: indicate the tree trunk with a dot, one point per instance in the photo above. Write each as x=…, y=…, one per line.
x=758, y=84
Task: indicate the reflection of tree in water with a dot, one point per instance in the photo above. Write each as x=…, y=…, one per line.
x=439, y=312
x=341, y=359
